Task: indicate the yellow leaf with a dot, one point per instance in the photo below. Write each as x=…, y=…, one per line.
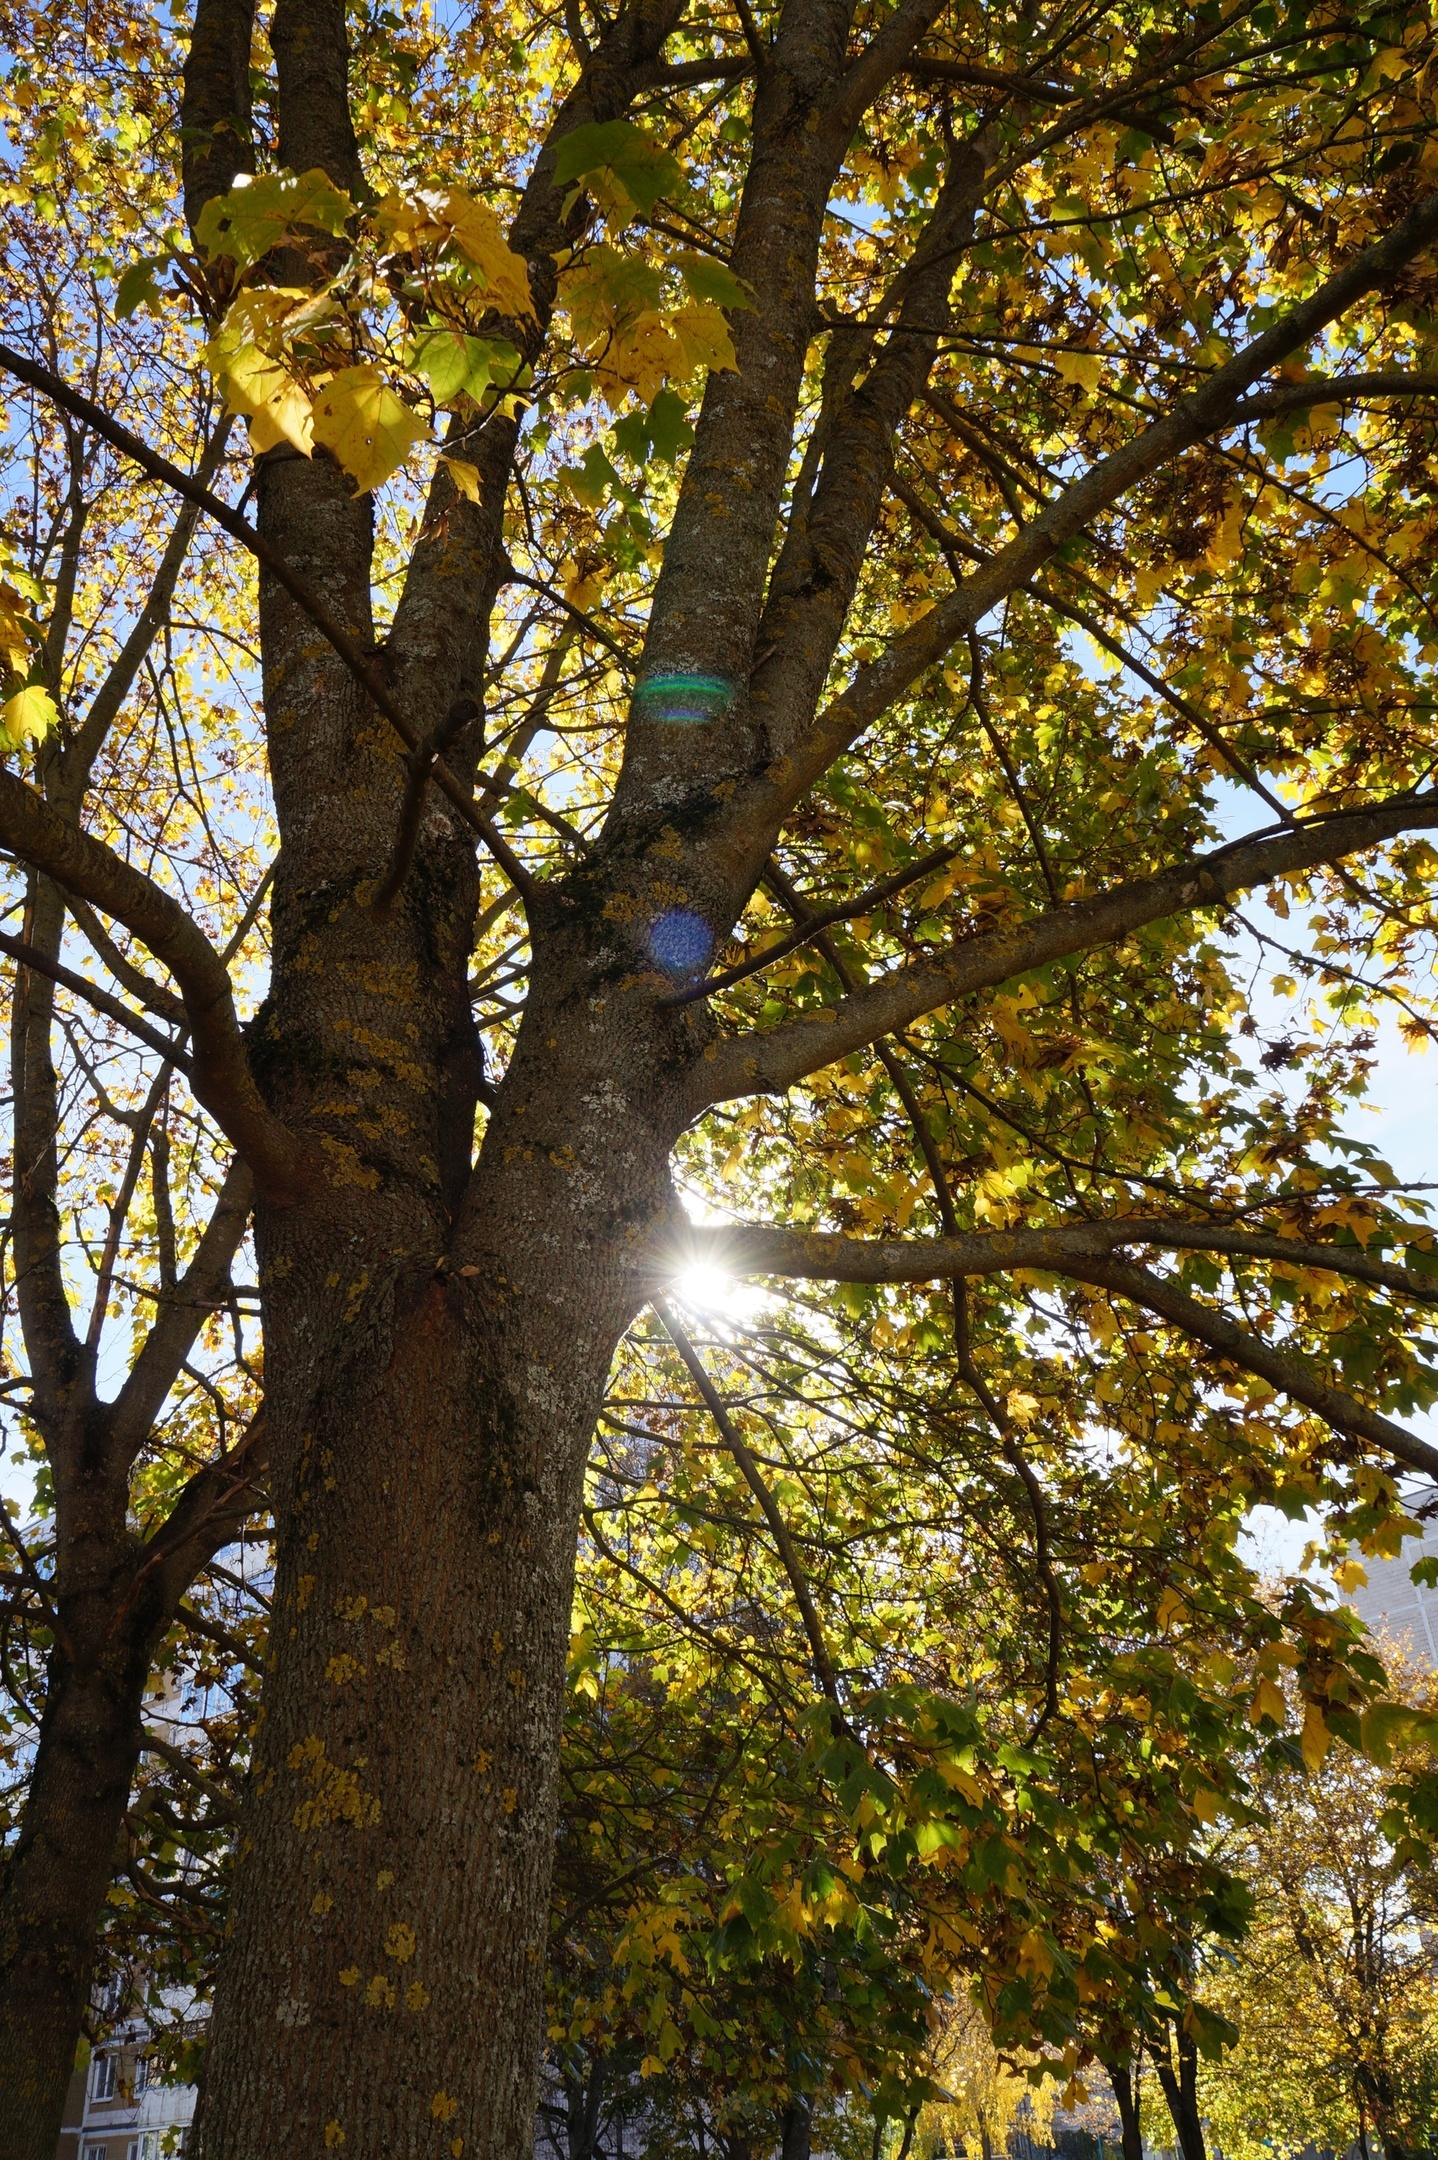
x=1205, y=1803
x=1350, y=1575
x=1316, y=1739
x=464, y=476
x=642, y=357
x=451, y=217
x=26, y=716
x=361, y=422
x=1267, y=1702
x=1171, y=1608
x=275, y=406
x=16, y=628
x=1081, y=368
x=704, y=336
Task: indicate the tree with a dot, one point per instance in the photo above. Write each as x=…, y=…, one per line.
x=1333, y=1992
x=745, y=480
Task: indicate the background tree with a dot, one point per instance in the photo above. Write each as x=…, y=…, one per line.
x=1333, y=1992
x=827, y=369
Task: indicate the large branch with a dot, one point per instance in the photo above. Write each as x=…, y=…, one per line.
x=215, y=107
x=1082, y=1252
x=752, y=1249
x=222, y=1078
x=754, y=812
x=768, y=1063
x=440, y=635
x=1290, y=1375
x=183, y=1311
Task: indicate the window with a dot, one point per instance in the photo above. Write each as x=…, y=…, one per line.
x=102, y=2087
x=146, y=2147
x=96, y=2152
x=142, y=2084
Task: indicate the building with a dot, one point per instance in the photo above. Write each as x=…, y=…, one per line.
x=1393, y=1605
x=113, y=2112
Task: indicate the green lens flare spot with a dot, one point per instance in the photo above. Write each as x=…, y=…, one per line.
x=683, y=700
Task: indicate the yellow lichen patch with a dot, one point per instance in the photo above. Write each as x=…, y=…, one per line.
x=338, y=1794
x=304, y=1590
x=396, y=1057
x=333, y=2136
x=345, y=1165
x=321, y=1903
x=511, y=1799
x=342, y=1668
x=391, y=1654
x=349, y=1976
x=383, y=1616
x=384, y=1878
x=381, y=1993
x=481, y=1764
x=416, y=1997
x=400, y=1942
x=353, y=1608
x=442, y=2107
x=456, y=2146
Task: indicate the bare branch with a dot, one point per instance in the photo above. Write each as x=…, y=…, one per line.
x=221, y=1077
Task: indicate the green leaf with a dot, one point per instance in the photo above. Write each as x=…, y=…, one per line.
x=710, y=280
x=455, y=364
x=643, y=168
x=258, y=214
x=361, y=422
x=137, y=287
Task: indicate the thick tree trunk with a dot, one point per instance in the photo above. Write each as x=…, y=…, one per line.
x=55, y=1884
x=431, y=1390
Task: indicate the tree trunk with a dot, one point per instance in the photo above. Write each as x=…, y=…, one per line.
x=795, y=2130
x=55, y=1884
x=431, y=1391
x=1124, y=2077
x=1180, y=2090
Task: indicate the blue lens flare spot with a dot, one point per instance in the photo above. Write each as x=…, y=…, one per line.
x=683, y=700
x=681, y=943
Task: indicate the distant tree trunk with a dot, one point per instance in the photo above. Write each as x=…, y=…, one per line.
x=796, y=2130
x=582, y=2101
x=1180, y=2090
x=1124, y=2077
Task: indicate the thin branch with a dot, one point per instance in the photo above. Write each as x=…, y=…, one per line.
x=754, y=1479
x=360, y=663
x=31, y=957
x=420, y=763
x=808, y=931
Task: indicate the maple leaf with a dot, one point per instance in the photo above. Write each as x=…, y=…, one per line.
x=259, y=214
x=364, y=426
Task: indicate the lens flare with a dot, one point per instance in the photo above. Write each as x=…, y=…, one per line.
x=682, y=700
x=681, y=943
